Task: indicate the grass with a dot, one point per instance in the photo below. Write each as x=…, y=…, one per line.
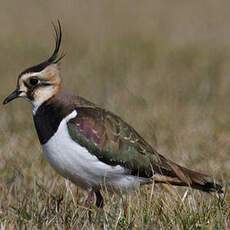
x=173, y=88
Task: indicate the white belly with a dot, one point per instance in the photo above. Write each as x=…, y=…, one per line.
x=74, y=162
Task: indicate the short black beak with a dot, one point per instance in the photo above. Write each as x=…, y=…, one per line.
x=12, y=96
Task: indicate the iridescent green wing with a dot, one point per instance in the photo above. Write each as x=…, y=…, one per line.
x=115, y=142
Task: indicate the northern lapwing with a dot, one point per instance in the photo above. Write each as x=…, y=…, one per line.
x=90, y=146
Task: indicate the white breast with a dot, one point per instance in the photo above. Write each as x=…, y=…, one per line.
x=84, y=169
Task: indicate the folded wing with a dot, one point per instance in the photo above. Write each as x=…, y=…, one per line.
x=115, y=142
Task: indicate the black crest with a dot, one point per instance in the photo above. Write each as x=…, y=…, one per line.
x=55, y=57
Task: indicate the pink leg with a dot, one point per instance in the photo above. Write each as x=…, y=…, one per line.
x=90, y=199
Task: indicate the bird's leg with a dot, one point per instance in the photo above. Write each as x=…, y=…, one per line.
x=90, y=199
x=99, y=199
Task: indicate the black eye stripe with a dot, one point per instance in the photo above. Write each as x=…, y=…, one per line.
x=26, y=84
x=30, y=84
x=45, y=84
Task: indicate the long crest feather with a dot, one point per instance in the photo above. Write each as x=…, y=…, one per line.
x=58, y=38
x=55, y=57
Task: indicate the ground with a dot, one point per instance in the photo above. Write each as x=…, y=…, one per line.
x=162, y=67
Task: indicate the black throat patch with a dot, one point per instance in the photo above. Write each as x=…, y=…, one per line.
x=47, y=119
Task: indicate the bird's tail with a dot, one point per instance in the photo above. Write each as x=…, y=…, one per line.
x=180, y=176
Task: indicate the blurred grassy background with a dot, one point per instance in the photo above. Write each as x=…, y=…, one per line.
x=162, y=66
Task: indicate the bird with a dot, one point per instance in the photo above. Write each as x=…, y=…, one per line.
x=91, y=146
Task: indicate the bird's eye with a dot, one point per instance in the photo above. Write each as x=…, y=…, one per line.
x=34, y=81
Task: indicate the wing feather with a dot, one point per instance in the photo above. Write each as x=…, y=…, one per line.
x=115, y=142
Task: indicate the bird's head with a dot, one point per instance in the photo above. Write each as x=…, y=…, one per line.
x=40, y=82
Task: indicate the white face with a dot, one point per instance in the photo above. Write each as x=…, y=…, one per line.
x=37, y=87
